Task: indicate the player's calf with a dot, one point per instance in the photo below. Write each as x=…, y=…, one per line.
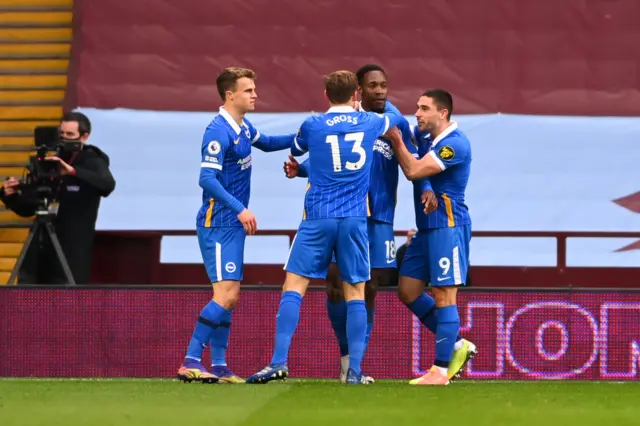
x=337, y=311
x=356, y=324
x=225, y=294
x=424, y=307
x=448, y=326
x=211, y=318
x=370, y=292
x=286, y=323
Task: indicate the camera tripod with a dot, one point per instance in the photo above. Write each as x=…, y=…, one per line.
x=43, y=225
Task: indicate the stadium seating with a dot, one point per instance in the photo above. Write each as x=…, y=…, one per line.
x=35, y=40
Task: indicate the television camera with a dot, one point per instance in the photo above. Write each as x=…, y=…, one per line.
x=43, y=176
x=41, y=183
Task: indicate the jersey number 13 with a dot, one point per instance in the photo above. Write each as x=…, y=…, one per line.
x=356, y=138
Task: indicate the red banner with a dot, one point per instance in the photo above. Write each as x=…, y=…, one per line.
x=522, y=335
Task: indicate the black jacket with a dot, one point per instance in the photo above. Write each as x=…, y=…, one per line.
x=79, y=200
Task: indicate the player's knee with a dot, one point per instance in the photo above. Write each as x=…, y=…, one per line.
x=353, y=291
x=334, y=284
x=370, y=291
x=406, y=296
x=295, y=282
x=334, y=294
x=226, y=293
x=380, y=277
x=445, y=296
x=333, y=276
x=409, y=289
x=388, y=277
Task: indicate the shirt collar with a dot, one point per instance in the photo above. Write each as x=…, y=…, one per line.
x=453, y=126
x=225, y=114
x=341, y=109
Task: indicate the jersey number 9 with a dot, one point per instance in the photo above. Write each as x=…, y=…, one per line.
x=356, y=138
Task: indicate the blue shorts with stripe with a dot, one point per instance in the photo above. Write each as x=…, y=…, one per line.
x=382, y=245
x=222, y=252
x=317, y=240
x=439, y=256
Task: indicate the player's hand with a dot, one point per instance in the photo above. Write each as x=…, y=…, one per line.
x=393, y=134
x=248, y=220
x=291, y=167
x=429, y=201
x=10, y=186
x=66, y=168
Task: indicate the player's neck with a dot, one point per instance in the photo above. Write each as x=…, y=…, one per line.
x=236, y=115
x=441, y=128
x=347, y=105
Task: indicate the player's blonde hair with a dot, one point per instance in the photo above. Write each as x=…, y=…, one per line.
x=227, y=80
x=340, y=86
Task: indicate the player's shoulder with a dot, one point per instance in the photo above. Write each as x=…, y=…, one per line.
x=309, y=125
x=455, y=144
x=218, y=125
x=365, y=118
x=313, y=120
x=458, y=138
x=248, y=123
x=391, y=108
x=218, y=130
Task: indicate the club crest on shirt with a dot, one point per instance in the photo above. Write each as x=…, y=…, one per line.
x=446, y=152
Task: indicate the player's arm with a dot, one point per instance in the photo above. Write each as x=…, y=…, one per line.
x=214, y=146
x=303, y=169
x=411, y=141
x=396, y=119
x=268, y=143
x=385, y=121
x=432, y=163
x=300, y=143
x=272, y=143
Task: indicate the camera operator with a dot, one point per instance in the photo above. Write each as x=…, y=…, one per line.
x=84, y=178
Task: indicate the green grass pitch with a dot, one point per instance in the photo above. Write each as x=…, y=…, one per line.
x=31, y=402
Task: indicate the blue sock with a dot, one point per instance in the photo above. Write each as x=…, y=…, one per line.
x=210, y=317
x=448, y=327
x=356, y=332
x=370, y=314
x=424, y=308
x=220, y=340
x=286, y=323
x=338, y=318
